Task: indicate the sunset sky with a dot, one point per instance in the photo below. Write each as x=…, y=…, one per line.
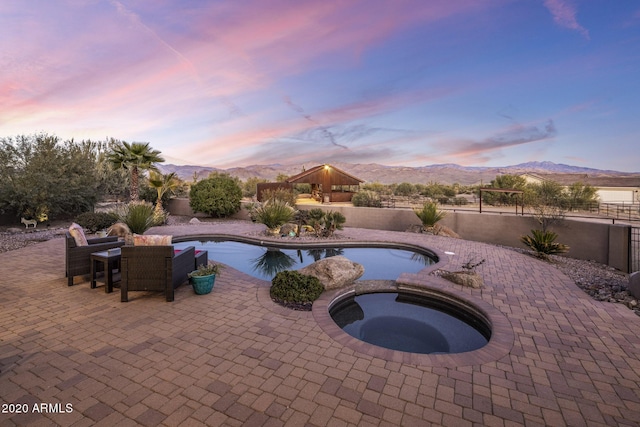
x=397, y=82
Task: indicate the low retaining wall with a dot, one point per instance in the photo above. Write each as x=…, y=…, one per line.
x=604, y=243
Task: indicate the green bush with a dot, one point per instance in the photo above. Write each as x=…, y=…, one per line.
x=94, y=221
x=218, y=196
x=139, y=216
x=366, y=198
x=543, y=243
x=273, y=213
x=295, y=290
x=325, y=223
x=429, y=214
x=280, y=194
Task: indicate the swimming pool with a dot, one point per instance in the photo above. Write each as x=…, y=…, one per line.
x=380, y=263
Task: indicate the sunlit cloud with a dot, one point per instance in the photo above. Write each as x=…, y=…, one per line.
x=237, y=83
x=564, y=14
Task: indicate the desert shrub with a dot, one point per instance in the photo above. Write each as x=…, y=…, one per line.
x=429, y=214
x=459, y=201
x=405, y=189
x=325, y=223
x=218, y=196
x=273, y=213
x=94, y=221
x=139, y=216
x=295, y=290
x=543, y=243
x=281, y=194
x=366, y=198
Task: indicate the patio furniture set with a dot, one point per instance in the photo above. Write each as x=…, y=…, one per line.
x=153, y=265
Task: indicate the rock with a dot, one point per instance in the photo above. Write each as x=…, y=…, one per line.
x=14, y=230
x=287, y=229
x=464, y=278
x=443, y=230
x=634, y=284
x=334, y=272
x=415, y=228
x=194, y=221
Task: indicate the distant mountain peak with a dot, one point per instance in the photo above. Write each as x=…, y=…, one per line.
x=447, y=173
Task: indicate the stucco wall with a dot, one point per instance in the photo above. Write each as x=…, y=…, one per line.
x=586, y=240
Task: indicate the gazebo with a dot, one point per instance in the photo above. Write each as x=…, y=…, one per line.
x=328, y=183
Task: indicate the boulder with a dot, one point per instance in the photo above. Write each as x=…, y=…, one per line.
x=634, y=284
x=194, y=221
x=287, y=229
x=464, y=278
x=14, y=230
x=334, y=272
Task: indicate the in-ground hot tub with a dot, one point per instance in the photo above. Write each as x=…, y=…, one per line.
x=411, y=322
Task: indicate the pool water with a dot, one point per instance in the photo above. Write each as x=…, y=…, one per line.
x=409, y=323
x=264, y=263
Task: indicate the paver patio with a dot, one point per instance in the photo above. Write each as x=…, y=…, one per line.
x=235, y=358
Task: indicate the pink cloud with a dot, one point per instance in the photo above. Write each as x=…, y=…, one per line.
x=564, y=14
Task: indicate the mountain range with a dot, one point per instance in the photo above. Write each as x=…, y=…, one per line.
x=372, y=172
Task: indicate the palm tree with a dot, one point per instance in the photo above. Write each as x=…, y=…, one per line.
x=134, y=157
x=163, y=184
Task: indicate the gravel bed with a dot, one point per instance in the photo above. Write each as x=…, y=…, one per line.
x=599, y=281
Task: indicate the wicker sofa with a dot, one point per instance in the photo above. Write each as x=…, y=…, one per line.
x=78, y=258
x=154, y=268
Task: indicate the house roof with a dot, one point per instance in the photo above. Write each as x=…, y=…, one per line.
x=315, y=175
x=593, y=180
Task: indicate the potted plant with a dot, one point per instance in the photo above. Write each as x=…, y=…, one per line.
x=204, y=277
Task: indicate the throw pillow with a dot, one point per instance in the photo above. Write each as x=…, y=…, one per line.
x=77, y=233
x=151, y=240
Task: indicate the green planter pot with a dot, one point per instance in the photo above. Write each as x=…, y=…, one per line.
x=202, y=284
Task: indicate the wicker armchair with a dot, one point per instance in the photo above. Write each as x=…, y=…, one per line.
x=154, y=268
x=78, y=258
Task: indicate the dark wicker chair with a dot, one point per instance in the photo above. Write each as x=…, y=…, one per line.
x=154, y=268
x=78, y=258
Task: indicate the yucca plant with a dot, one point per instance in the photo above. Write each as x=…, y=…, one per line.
x=139, y=216
x=543, y=243
x=273, y=213
x=429, y=214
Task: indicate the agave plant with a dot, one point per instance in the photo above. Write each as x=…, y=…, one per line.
x=544, y=244
x=139, y=216
x=429, y=214
x=274, y=213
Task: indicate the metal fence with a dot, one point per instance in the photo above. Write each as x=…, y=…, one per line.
x=635, y=249
x=622, y=211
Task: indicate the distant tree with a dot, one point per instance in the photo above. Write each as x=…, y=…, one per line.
x=250, y=186
x=545, y=201
x=405, y=189
x=134, y=157
x=376, y=187
x=43, y=177
x=112, y=183
x=506, y=181
x=219, y=195
x=579, y=195
x=281, y=177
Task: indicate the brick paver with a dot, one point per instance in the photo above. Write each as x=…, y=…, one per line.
x=234, y=358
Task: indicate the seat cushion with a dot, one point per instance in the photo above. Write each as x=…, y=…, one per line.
x=151, y=240
x=77, y=233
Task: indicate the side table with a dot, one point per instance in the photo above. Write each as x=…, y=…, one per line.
x=110, y=259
